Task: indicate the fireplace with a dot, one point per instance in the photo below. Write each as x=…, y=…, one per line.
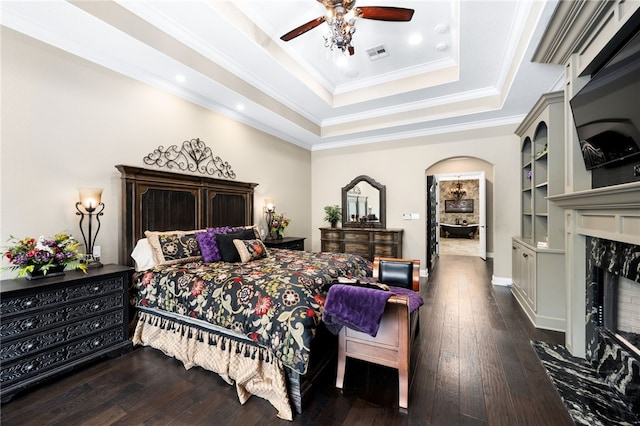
x=613, y=314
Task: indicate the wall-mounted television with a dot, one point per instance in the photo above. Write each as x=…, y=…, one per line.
x=607, y=110
x=458, y=206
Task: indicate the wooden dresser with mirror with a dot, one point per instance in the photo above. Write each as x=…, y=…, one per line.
x=363, y=229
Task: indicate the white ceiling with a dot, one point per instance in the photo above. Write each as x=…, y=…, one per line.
x=471, y=70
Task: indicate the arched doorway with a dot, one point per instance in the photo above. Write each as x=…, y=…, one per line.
x=470, y=204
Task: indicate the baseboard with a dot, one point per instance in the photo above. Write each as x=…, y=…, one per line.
x=501, y=281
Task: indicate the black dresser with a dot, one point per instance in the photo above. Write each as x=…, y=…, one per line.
x=52, y=325
x=291, y=243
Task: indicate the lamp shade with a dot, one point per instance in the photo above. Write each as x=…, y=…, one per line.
x=269, y=204
x=90, y=197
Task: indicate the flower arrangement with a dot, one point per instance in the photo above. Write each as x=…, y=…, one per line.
x=278, y=224
x=29, y=255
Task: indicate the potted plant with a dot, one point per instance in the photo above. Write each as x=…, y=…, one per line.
x=333, y=214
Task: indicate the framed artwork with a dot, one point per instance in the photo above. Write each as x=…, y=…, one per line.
x=458, y=206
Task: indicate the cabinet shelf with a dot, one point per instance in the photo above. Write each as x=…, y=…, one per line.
x=542, y=156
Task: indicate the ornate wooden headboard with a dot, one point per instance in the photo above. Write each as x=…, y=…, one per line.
x=156, y=200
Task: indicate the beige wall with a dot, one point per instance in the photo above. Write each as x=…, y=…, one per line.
x=67, y=122
x=402, y=166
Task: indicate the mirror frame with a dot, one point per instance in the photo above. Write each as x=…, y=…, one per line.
x=382, y=190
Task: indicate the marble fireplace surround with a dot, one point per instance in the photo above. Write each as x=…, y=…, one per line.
x=599, y=223
x=613, y=361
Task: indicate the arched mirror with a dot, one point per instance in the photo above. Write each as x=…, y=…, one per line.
x=364, y=204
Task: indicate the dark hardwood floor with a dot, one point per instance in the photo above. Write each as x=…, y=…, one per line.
x=472, y=363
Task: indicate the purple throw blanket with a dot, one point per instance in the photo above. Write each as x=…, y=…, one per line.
x=415, y=300
x=361, y=308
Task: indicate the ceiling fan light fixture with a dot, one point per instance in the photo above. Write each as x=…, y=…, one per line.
x=340, y=32
x=341, y=22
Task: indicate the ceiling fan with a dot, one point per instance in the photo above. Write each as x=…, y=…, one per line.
x=341, y=16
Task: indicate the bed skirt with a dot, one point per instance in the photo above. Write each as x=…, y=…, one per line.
x=252, y=369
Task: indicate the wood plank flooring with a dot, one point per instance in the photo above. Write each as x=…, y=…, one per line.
x=472, y=362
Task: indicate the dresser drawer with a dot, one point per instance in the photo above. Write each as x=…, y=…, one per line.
x=384, y=237
x=95, y=288
x=46, y=299
x=26, y=346
x=39, y=301
x=385, y=250
x=332, y=246
x=361, y=249
x=356, y=236
x=36, y=321
x=36, y=365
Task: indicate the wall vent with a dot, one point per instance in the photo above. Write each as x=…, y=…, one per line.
x=377, y=52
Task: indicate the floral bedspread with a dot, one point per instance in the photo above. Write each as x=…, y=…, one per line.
x=276, y=301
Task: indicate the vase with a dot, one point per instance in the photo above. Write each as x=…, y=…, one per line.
x=37, y=274
x=279, y=236
x=334, y=223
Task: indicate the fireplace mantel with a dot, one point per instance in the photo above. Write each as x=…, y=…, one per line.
x=612, y=212
x=624, y=196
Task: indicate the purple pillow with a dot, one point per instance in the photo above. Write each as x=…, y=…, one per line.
x=208, y=243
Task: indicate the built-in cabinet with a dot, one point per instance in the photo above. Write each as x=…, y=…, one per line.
x=538, y=252
x=366, y=242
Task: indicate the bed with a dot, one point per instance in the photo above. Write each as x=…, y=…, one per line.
x=255, y=321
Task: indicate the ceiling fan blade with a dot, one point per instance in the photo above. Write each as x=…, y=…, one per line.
x=303, y=28
x=382, y=13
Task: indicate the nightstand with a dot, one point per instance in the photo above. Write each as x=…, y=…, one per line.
x=291, y=243
x=55, y=324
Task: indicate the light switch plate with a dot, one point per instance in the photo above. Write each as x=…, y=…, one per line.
x=406, y=216
x=415, y=216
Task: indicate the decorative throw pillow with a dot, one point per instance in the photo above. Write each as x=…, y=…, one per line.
x=250, y=249
x=208, y=243
x=143, y=255
x=171, y=247
x=228, y=250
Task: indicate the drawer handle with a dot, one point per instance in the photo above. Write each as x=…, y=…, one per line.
x=28, y=303
x=96, y=325
x=96, y=342
x=96, y=288
x=525, y=255
x=96, y=307
x=29, y=324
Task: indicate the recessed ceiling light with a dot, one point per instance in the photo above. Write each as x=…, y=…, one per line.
x=415, y=39
x=351, y=73
x=342, y=61
x=180, y=78
x=441, y=47
x=240, y=107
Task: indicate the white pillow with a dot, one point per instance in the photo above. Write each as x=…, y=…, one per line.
x=143, y=255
